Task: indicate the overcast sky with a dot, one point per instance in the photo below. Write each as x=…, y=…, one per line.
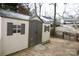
x=48, y=10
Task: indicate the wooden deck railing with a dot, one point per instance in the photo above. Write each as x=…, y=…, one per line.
x=70, y=36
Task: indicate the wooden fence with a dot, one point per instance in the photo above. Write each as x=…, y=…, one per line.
x=69, y=36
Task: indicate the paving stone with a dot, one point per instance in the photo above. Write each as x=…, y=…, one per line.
x=39, y=47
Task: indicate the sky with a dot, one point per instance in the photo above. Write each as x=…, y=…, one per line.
x=72, y=9
x=48, y=10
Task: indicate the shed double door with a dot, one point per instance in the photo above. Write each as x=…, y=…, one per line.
x=35, y=32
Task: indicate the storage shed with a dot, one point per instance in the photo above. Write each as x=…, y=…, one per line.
x=46, y=27
x=18, y=32
x=14, y=29
x=35, y=31
x=45, y=32
x=39, y=31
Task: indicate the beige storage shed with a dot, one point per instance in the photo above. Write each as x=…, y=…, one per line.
x=14, y=29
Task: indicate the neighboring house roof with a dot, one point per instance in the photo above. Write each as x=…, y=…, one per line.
x=68, y=18
x=46, y=19
x=76, y=19
x=10, y=14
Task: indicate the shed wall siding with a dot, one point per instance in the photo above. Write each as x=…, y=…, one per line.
x=0, y=37
x=45, y=35
x=16, y=41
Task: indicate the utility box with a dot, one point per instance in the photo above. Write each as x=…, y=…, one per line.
x=14, y=29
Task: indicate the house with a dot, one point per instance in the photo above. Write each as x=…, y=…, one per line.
x=47, y=19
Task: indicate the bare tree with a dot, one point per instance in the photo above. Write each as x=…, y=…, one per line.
x=40, y=5
x=35, y=9
x=54, y=24
x=53, y=31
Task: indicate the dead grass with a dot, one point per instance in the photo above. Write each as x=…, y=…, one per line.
x=56, y=47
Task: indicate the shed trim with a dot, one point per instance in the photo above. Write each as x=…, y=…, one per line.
x=15, y=18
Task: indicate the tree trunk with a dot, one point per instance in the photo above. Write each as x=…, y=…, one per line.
x=54, y=24
x=35, y=9
x=40, y=10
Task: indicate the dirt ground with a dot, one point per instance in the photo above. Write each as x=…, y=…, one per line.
x=56, y=47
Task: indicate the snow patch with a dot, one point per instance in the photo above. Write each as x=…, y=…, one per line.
x=39, y=47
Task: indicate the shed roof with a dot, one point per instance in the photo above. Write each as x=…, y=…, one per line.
x=10, y=14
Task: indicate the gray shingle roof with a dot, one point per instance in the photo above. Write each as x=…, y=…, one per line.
x=13, y=15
